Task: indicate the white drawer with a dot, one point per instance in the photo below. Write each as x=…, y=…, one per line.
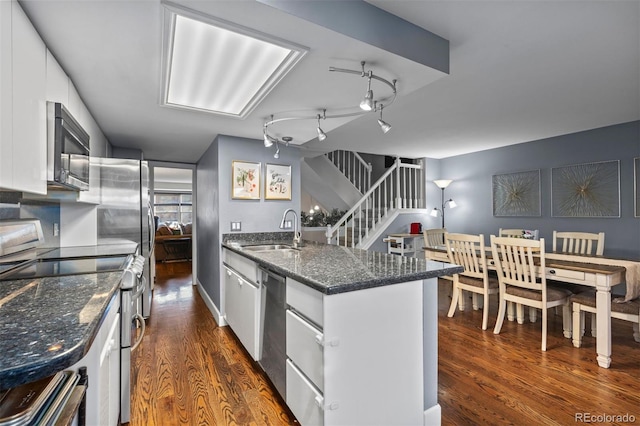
x=305, y=300
x=304, y=348
x=303, y=399
x=242, y=265
x=562, y=273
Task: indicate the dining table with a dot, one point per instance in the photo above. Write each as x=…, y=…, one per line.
x=599, y=272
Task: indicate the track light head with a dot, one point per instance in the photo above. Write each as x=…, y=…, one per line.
x=384, y=126
x=321, y=134
x=367, y=102
x=277, y=154
x=267, y=140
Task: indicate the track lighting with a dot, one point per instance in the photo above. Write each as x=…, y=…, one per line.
x=277, y=154
x=383, y=124
x=321, y=135
x=368, y=104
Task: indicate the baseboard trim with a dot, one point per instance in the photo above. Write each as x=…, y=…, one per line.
x=433, y=416
x=212, y=307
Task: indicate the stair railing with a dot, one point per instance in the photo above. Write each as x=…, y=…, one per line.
x=353, y=167
x=400, y=187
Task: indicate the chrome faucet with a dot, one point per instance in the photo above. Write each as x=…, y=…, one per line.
x=296, y=234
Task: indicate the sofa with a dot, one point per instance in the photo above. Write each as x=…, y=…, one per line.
x=173, y=243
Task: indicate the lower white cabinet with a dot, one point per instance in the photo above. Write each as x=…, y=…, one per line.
x=356, y=358
x=242, y=302
x=303, y=399
x=103, y=370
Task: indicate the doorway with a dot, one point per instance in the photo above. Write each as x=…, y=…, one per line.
x=173, y=196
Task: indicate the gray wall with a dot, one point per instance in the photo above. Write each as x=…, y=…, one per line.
x=216, y=209
x=471, y=187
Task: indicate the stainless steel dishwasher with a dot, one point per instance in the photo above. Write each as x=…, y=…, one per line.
x=274, y=338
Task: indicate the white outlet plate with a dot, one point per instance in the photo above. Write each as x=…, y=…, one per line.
x=236, y=226
x=288, y=224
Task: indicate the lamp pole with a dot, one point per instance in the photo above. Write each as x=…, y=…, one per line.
x=442, y=211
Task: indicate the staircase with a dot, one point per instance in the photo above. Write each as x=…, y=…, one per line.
x=399, y=190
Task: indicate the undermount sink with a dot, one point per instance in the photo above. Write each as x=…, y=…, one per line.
x=269, y=247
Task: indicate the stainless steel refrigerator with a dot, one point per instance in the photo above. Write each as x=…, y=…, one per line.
x=126, y=212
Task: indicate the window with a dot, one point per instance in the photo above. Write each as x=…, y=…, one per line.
x=173, y=207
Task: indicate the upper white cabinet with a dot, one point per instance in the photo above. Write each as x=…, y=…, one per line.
x=6, y=96
x=26, y=147
x=57, y=81
x=29, y=77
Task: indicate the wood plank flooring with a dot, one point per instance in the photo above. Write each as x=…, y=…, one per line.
x=190, y=371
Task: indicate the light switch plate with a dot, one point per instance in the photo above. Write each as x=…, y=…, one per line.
x=236, y=226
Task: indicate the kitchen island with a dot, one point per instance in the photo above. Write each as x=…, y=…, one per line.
x=361, y=329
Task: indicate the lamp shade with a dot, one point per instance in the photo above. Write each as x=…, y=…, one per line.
x=442, y=183
x=434, y=212
x=452, y=203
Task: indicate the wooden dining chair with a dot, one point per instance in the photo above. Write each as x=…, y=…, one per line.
x=517, y=261
x=586, y=302
x=434, y=237
x=468, y=251
x=578, y=243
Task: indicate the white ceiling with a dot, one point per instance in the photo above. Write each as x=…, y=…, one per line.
x=520, y=71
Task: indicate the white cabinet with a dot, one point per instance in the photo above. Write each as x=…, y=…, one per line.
x=6, y=96
x=23, y=164
x=242, y=301
x=361, y=361
x=103, y=370
x=57, y=81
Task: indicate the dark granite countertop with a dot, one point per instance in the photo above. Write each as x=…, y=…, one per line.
x=333, y=269
x=48, y=324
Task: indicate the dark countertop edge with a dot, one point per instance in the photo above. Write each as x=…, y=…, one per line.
x=29, y=372
x=341, y=288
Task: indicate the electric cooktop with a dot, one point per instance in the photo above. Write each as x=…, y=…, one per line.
x=40, y=268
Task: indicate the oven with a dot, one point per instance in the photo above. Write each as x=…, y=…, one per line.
x=132, y=286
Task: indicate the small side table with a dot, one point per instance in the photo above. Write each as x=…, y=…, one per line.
x=404, y=244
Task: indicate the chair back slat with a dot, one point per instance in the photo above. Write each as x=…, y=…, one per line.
x=517, y=261
x=434, y=237
x=579, y=242
x=467, y=251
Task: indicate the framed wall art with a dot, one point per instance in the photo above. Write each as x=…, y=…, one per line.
x=586, y=190
x=245, y=180
x=516, y=194
x=636, y=186
x=277, y=182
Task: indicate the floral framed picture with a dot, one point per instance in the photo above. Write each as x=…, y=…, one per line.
x=277, y=182
x=245, y=180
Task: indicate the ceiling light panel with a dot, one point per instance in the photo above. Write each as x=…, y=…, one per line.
x=218, y=67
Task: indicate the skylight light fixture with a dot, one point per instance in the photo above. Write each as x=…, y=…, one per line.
x=219, y=67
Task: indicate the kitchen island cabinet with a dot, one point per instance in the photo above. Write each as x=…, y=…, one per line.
x=243, y=300
x=361, y=333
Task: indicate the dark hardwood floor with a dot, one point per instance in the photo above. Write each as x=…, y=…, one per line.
x=190, y=371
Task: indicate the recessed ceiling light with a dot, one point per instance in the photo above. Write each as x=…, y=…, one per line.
x=219, y=67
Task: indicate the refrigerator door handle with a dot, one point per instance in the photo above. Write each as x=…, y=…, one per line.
x=152, y=230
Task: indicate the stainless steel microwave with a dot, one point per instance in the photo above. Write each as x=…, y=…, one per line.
x=67, y=150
